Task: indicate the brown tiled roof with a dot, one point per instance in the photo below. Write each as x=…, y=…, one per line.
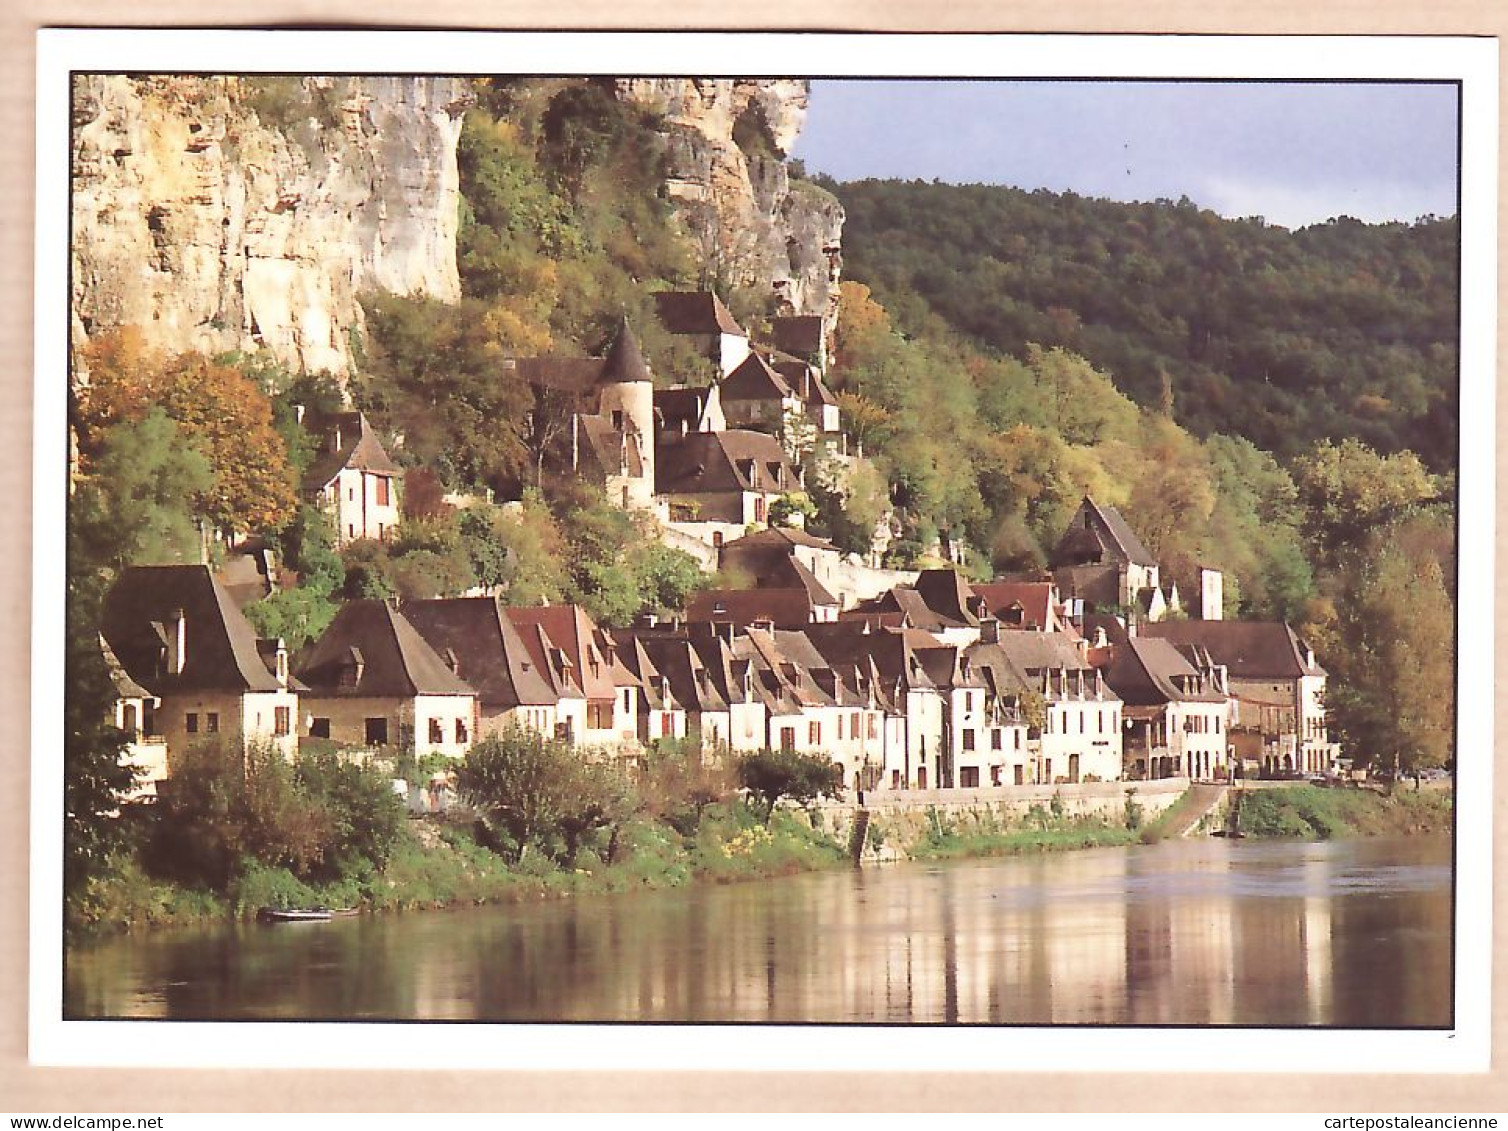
x=780, y=536
x=754, y=380
x=491, y=653
x=784, y=607
x=611, y=450
x=220, y=647
x=1107, y=529
x=797, y=333
x=708, y=462
x=1147, y=671
x=1033, y=597
x=805, y=381
x=393, y=659
x=1247, y=649
x=359, y=448
x=125, y=687
x=572, y=631
x=696, y=312
x=674, y=407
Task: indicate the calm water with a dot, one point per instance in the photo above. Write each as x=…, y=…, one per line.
x=1191, y=932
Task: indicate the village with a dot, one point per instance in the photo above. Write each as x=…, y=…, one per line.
x=918, y=684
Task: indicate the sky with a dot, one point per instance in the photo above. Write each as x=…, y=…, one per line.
x=1293, y=153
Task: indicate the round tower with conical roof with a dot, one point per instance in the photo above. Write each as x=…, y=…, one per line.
x=626, y=400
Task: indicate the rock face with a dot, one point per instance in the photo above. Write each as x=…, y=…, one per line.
x=727, y=141
x=217, y=213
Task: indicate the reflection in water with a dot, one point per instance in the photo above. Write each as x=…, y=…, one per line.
x=1197, y=932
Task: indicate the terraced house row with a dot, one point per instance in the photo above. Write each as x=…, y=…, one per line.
x=937, y=685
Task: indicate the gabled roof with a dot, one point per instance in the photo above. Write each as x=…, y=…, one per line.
x=781, y=536
x=344, y=439
x=492, y=655
x=947, y=593
x=805, y=381
x=1247, y=649
x=612, y=451
x=1148, y=672
x=716, y=462
x=1039, y=651
x=696, y=312
x=788, y=607
x=1107, y=529
x=220, y=646
x=371, y=651
x=125, y=687
x=1034, y=599
x=754, y=380
x=569, y=629
x=683, y=406
x=797, y=333
x=623, y=364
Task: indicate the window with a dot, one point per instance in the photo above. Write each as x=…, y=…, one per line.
x=128, y=719
x=759, y=509
x=1019, y=775
x=383, y=497
x=667, y=725
x=1018, y=740
x=462, y=734
x=814, y=734
x=191, y=722
x=599, y=716
x=628, y=699
x=319, y=728
x=968, y=777
x=282, y=721
x=968, y=701
x=1217, y=724
x=212, y=722
x=351, y=494
x=968, y=739
x=895, y=779
x=436, y=731
x=853, y=725
x=874, y=726
x=787, y=738
x=997, y=740
x=351, y=529
x=376, y=732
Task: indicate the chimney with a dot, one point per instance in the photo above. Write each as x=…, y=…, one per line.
x=177, y=642
x=298, y=413
x=1100, y=639
x=282, y=663
x=989, y=631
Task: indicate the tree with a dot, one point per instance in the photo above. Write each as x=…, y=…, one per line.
x=219, y=411
x=1348, y=490
x=771, y=775
x=518, y=780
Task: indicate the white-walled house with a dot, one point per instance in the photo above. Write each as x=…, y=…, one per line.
x=179, y=636
x=372, y=683
x=352, y=478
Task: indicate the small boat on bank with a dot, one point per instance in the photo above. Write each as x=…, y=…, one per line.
x=305, y=914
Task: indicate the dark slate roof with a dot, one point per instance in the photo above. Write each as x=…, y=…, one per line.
x=675, y=407
x=797, y=333
x=696, y=312
x=805, y=381
x=1099, y=585
x=1247, y=649
x=709, y=462
x=357, y=447
x=490, y=652
x=125, y=687
x=625, y=362
x=220, y=646
x=1106, y=529
x=610, y=449
x=394, y=660
x=1039, y=651
x=754, y=380
x=947, y=593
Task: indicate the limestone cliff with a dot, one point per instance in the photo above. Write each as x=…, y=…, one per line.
x=727, y=141
x=218, y=213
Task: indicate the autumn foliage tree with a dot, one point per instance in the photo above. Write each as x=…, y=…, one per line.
x=218, y=410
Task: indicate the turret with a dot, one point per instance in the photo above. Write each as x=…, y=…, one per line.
x=626, y=400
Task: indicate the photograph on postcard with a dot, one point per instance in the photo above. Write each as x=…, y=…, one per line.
x=856, y=550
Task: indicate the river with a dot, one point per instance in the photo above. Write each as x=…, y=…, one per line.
x=1200, y=932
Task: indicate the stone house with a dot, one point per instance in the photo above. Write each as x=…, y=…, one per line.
x=178, y=636
x=1277, y=687
x=717, y=484
x=373, y=683
x=133, y=712
x=515, y=684
x=755, y=396
x=1177, y=706
x=1100, y=561
x=352, y=478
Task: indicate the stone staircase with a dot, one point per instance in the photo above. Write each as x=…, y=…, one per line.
x=1191, y=808
x=858, y=835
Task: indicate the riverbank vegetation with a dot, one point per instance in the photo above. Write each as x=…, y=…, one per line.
x=231, y=835
x=1312, y=813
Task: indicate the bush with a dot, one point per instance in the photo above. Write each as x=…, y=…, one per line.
x=771, y=775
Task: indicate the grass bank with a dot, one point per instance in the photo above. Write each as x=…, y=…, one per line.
x=1039, y=829
x=438, y=864
x=1312, y=813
